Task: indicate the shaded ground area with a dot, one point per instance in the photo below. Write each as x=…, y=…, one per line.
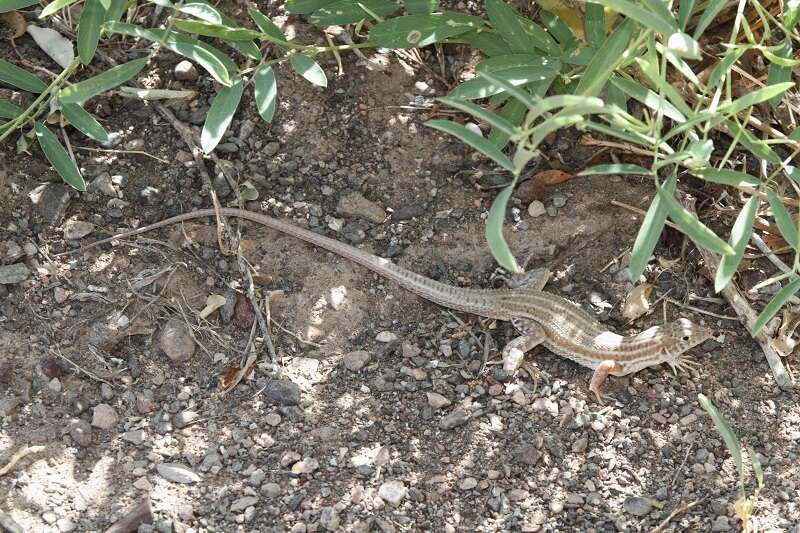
x=402, y=422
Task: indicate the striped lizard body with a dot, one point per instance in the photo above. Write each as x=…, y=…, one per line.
x=540, y=317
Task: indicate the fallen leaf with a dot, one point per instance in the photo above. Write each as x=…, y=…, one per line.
x=13, y=24
x=552, y=177
x=533, y=188
x=54, y=44
x=636, y=303
x=234, y=376
x=213, y=302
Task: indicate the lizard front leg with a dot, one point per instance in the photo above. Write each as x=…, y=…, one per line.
x=514, y=351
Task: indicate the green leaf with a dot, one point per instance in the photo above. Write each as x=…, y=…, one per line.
x=91, y=22
x=478, y=142
x=205, y=11
x=505, y=20
x=661, y=22
x=594, y=23
x=777, y=73
x=304, y=7
x=9, y=110
x=649, y=232
x=518, y=93
x=482, y=87
x=84, y=122
x=725, y=177
x=654, y=101
x=13, y=5
x=756, y=97
x=266, y=25
x=115, y=10
x=20, y=78
x=416, y=31
x=220, y=114
x=757, y=470
x=755, y=145
x=699, y=153
x=58, y=157
x=266, y=92
x=309, y=69
x=775, y=305
x=711, y=11
x=55, y=6
x=652, y=75
x=212, y=60
x=350, y=12
x=487, y=41
x=558, y=29
x=721, y=70
x=493, y=119
x=507, y=61
x=605, y=61
x=683, y=45
x=421, y=7
x=616, y=168
x=690, y=225
x=725, y=431
x=104, y=81
x=541, y=39
x=494, y=232
x=685, y=13
x=783, y=219
x=512, y=111
x=215, y=30
x=740, y=235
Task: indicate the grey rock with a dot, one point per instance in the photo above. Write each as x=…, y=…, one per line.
x=527, y=454
x=355, y=361
x=536, y=209
x=81, y=433
x=329, y=518
x=720, y=524
x=392, y=492
x=77, y=229
x=102, y=184
x=50, y=200
x=282, y=392
x=408, y=212
x=104, y=416
x=135, y=436
x=243, y=503
x=637, y=506
x=8, y=405
x=354, y=205
x=11, y=274
x=271, y=490
x=559, y=200
x=458, y=417
x=184, y=418
x=177, y=473
x=185, y=71
x=176, y=341
x=65, y=525
x=436, y=400
x=257, y=477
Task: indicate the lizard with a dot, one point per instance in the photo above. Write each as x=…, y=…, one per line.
x=541, y=318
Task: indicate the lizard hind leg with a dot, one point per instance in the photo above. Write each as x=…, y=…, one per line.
x=514, y=351
x=602, y=371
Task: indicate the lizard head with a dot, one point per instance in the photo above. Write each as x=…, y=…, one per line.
x=678, y=338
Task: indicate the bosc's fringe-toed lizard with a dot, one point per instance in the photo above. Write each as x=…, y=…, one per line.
x=540, y=317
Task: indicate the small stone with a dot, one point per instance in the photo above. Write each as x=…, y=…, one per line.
x=580, y=445
x=50, y=517
x=257, y=477
x=271, y=148
x=721, y=524
x=393, y=492
x=243, y=503
x=637, y=506
x=354, y=205
x=355, y=361
x=60, y=295
x=459, y=417
x=306, y=466
x=177, y=473
x=689, y=419
x=135, y=436
x=104, y=416
x=527, y=454
x=50, y=200
x=386, y=336
x=329, y=518
x=77, y=229
x=547, y=405
x=185, y=71
x=11, y=274
x=81, y=433
x=8, y=406
x=559, y=200
x=289, y=458
x=184, y=418
x=517, y=495
x=536, y=209
x=54, y=385
x=104, y=185
x=468, y=483
x=281, y=392
x=272, y=419
x=65, y=525
x=176, y=341
x=271, y=490
x=436, y=400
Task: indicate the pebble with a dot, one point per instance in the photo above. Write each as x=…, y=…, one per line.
x=271, y=490
x=306, y=466
x=135, y=436
x=329, y=518
x=50, y=517
x=257, y=477
x=527, y=454
x=11, y=274
x=547, y=405
x=81, y=433
x=355, y=361
x=559, y=200
x=580, y=445
x=468, y=483
x=386, y=336
x=272, y=419
x=103, y=184
x=50, y=200
x=77, y=229
x=176, y=341
x=104, y=416
x=407, y=212
x=459, y=417
x=691, y=418
x=184, y=418
x=281, y=392
x=392, y=492
x=185, y=71
x=536, y=209
x=271, y=148
x=177, y=473
x=436, y=400
x=721, y=524
x=637, y=506
x=8, y=406
x=65, y=525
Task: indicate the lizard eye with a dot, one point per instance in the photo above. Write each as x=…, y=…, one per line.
x=685, y=338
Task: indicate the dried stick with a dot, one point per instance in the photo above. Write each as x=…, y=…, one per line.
x=17, y=457
x=141, y=514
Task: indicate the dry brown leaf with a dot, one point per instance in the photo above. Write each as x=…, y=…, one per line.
x=13, y=24
x=552, y=177
x=232, y=377
x=213, y=302
x=636, y=303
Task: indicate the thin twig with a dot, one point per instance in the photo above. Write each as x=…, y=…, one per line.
x=701, y=311
x=133, y=152
x=639, y=211
x=680, y=510
x=17, y=457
